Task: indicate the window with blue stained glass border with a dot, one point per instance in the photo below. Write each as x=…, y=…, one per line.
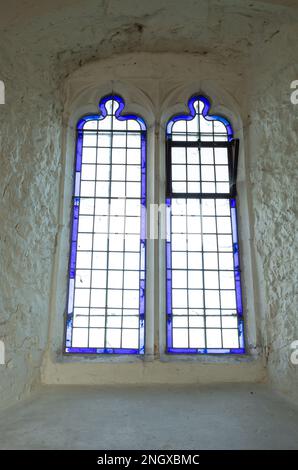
x=204, y=303
x=107, y=271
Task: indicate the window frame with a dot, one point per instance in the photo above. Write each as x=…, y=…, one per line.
x=119, y=115
x=232, y=145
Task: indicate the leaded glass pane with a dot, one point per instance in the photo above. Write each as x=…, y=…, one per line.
x=204, y=308
x=106, y=306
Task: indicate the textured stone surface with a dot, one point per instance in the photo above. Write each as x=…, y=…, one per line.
x=41, y=44
x=29, y=187
x=151, y=417
x=274, y=176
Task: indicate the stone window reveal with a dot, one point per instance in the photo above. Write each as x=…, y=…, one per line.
x=107, y=274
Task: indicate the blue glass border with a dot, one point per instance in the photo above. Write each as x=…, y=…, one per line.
x=74, y=230
x=118, y=113
x=205, y=114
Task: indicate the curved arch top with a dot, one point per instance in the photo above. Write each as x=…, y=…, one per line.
x=106, y=110
x=203, y=108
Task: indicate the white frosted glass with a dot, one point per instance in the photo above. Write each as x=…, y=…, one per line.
x=113, y=338
x=214, y=338
x=130, y=339
x=230, y=338
x=82, y=298
x=211, y=280
x=80, y=337
x=194, y=261
x=96, y=338
x=88, y=172
x=179, y=279
x=180, y=338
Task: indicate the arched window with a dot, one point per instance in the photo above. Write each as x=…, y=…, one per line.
x=106, y=299
x=204, y=307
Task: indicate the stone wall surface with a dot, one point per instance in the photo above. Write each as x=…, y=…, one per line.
x=41, y=45
x=274, y=178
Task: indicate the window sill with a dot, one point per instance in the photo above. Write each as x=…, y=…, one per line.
x=163, y=358
x=146, y=369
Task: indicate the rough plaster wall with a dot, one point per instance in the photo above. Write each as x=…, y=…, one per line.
x=41, y=43
x=29, y=140
x=274, y=175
